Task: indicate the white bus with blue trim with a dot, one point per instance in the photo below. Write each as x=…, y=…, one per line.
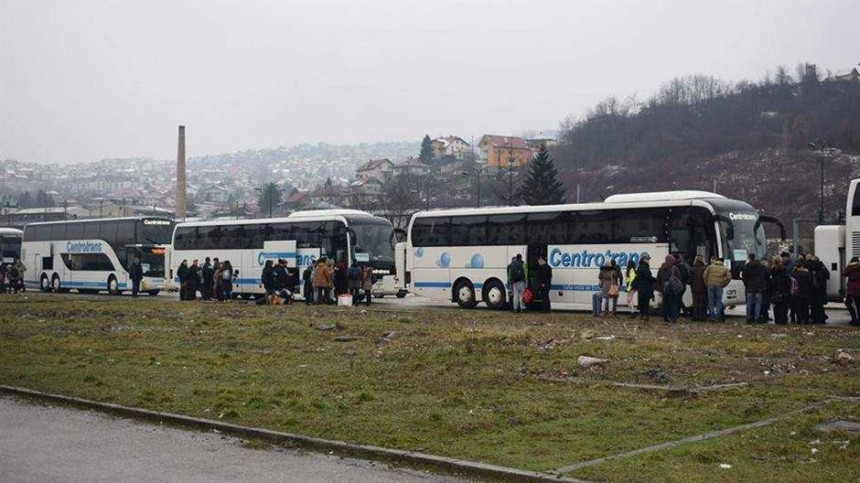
x=94, y=255
x=10, y=244
x=461, y=255
x=301, y=238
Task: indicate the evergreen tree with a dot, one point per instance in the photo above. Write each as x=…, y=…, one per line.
x=541, y=186
x=426, y=155
x=270, y=198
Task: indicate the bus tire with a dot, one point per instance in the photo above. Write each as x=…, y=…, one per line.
x=153, y=293
x=55, y=284
x=112, y=286
x=495, y=295
x=44, y=284
x=401, y=294
x=464, y=294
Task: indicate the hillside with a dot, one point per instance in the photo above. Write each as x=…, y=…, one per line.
x=752, y=138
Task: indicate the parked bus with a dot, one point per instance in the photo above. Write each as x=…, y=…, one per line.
x=461, y=255
x=94, y=255
x=301, y=238
x=10, y=244
x=835, y=245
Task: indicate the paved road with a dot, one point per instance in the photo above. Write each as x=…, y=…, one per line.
x=47, y=444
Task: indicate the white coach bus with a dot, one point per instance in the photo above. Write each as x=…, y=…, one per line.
x=835, y=245
x=10, y=244
x=461, y=255
x=94, y=255
x=301, y=238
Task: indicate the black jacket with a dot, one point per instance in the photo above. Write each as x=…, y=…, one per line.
x=208, y=273
x=753, y=276
x=543, y=276
x=780, y=285
x=136, y=271
x=268, y=278
x=280, y=274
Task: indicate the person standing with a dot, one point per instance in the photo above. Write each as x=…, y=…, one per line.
x=685, y=270
x=195, y=278
x=22, y=275
x=182, y=275
x=367, y=283
x=543, y=281
x=780, y=291
x=671, y=286
x=308, y=286
x=226, y=281
x=268, y=278
x=281, y=276
x=644, y=285
x=355, y=276
x=820, y=276
x=517, y=282
x=608, y=278
x=699, y=289
x=631, y=291
x=852, y=289
x=752, y=275
x=801, y=290
x=135, y=273
x=322, y=281
x=767, y=272
x=208, y=272
x=14, y=276
x=716, y=277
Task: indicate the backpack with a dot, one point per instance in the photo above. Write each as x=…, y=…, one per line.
x=517, y=272
x=354, y=273
x=795, y=286
x=673, y=284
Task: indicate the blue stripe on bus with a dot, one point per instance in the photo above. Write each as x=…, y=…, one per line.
x=279, y=254
x=478, y=286
x=102, y=285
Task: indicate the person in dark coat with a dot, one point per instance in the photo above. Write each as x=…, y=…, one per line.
x=699, y=289
x=671, y=298
x=280, y=273
x=268, y=278
x=764, y=317
x=308, y=285
x=135, y=273
x=800, y=297
x=852, y=289
x=644, y=285
x=208, y=272
x=543, y=283
x=780, y=291
x=182, y=275
x=195, y=280
x=753, y=277
x=820, y=275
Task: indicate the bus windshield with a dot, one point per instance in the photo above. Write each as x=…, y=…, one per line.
x=373, y=241
x=154, y=231
x=152, y=261
x=749, y=237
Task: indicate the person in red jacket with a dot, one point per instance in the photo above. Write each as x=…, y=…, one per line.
x=852, y=290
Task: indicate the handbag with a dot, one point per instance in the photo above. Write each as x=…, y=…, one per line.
x=528, y=296
x=613, y=290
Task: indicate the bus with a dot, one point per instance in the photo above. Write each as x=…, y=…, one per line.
x=10, y=244
x=835, y=245
x=300, y=238
x=461, y=255
x=93, y=255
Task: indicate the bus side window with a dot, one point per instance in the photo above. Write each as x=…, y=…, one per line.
x=689, y=233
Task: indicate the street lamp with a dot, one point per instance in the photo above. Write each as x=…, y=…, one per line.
x=823, y=147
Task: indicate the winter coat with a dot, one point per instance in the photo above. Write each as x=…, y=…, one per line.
x=663, y=274
x=780, y=285
x=852, y=271
x=644, y=282
x=631, y=277
x=208, y=274
x=717, y=275
x=268, y=278
x=804, y=283
x=543, y=276
x=182, y=273
x=308, y=274
x=136, y=271
x=820, y=275
x=753, y=277
x=697, y=280
x=280, y=273
x=608, y=277
x=322, y=276
x=367, y=279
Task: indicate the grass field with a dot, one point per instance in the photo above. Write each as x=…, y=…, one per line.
x=480, y=385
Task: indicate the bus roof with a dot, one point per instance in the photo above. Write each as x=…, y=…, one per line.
x=337, y=212
x=11, y=231
x=501, y=210
x=90, y=220
x=311, y=215
x=662, y=196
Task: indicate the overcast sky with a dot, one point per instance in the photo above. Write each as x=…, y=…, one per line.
x=82, y=81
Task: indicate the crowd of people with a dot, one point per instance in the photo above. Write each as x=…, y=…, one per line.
x=322, y=282
x=793, y=290
x=12, y=276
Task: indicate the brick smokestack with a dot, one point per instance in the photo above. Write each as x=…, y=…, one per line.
x=180, y=176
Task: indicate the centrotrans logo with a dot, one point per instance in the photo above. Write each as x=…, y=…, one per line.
x=743, y=216
x=83, y=247
x=586, y=259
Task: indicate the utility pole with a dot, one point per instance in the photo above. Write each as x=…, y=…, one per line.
x=510, y=173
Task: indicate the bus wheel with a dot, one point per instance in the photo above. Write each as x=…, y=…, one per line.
x=55, y=284
x=464, y=294
x=494, y=295
x=112, y=286
x=44, y=284
x=401, y=294
x=153, y=292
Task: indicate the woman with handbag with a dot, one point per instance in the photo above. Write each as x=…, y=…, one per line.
x=609, y=285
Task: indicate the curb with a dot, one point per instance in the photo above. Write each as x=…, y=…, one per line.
x=441, y=463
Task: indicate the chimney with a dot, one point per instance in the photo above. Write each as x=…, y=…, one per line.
x=180, y=176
